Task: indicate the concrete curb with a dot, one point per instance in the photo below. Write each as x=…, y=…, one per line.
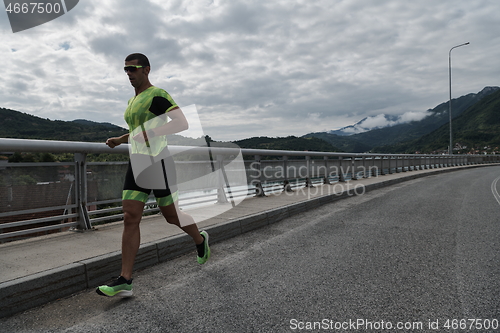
x=37, y=289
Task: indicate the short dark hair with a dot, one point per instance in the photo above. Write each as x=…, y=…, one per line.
x=142, y=60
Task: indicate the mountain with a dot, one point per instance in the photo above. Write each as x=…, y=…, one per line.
x=367, y=124
x=20, y=125
x=392, y=135
x=349, y=130
x=344, y=143
x=287, y=143
x=476, y=125
x=93, y=123
x=476, y=130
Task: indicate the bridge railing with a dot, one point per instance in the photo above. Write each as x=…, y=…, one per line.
x=40, y=198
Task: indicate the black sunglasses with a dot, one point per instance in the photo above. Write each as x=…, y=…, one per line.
x=131, y=68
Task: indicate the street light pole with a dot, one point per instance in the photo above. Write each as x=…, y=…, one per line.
x=450, y=148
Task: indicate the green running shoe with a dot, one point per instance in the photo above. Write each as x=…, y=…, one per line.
x=206, y=248
x=120, y=287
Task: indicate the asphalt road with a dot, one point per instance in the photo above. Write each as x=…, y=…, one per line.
x=408, y=258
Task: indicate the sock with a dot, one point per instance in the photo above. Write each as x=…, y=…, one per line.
x=120, y=280
x=201, y=248
x=125, y=280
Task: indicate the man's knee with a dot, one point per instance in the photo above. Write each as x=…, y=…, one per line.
x=131, y=217
x=132, y=213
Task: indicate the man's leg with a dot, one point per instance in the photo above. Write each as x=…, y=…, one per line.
x=174, y=215
x=131, y=238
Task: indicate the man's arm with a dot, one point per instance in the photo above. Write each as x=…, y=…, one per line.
x=113, y=142
x=178, y=123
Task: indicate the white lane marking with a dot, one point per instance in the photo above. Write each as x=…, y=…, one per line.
x=494, y=190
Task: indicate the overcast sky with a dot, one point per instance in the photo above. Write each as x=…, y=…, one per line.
x=255, y=68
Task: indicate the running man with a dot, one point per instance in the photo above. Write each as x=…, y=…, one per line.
x=149, y=105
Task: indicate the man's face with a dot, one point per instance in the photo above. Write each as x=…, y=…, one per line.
x=139, y=76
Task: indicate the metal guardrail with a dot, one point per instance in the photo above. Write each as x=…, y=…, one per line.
x=266, y=170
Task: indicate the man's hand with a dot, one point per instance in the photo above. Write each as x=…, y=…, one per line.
x=113, y=142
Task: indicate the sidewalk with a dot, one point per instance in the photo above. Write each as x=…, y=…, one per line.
x=39, y=270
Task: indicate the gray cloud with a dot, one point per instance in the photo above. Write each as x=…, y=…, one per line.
x=255, y=68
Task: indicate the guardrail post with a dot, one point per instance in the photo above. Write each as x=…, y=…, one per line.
x=308, y=178
x=354, y=172
x=221, y=194
x=81, y=191
x=341, y=170
x=326, y=179
x=286, y=183
x=365, y=173
x=259, y=190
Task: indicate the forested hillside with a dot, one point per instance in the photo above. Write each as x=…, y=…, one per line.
x=20, y=125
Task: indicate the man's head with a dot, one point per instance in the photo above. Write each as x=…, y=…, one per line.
x=142, y=60
x=137, y=68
